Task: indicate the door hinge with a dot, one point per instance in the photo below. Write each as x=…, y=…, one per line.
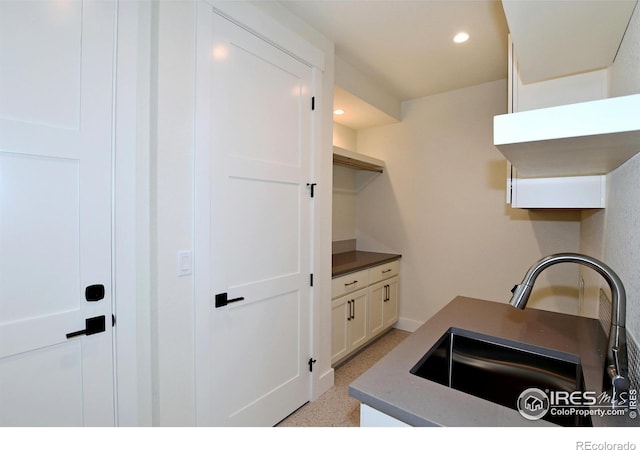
x=313, y=103
x=311, y=363
x=312, y=187
x=510, y=186
x=310, y=279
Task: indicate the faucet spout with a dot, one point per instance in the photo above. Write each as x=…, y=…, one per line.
x=616, y=377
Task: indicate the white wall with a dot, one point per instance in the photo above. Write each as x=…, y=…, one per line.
x=344, y=137
x=614, y=234
x=172, y=214
x=344, y=188
x=625, y=71
x=344, y=204
x=441, y=204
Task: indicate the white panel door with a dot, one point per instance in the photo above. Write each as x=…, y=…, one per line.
x=260, y=153
x=56, y=64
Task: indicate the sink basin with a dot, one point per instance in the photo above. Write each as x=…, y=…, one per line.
x=499, y=370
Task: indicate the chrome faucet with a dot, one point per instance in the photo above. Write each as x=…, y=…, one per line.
x=616, y=376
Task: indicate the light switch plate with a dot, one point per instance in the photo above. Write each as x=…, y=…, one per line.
x=184, y=263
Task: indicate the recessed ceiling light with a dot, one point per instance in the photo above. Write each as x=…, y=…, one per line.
x=339, y=112
x=460, y=37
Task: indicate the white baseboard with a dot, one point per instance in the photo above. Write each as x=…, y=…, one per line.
x=324, y=383
x=409, y=325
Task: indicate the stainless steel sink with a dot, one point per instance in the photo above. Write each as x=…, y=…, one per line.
x=499, y=370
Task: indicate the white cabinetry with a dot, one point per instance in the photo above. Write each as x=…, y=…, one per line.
x=349, y=283
x=370, y=417
x=349, y=324
x=364, y=304
x=553, y=189
x=383, y=298
x=562, y=136
x=557, y=192
x=534, y=191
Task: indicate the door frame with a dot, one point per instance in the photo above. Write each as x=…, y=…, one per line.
x=265, y=27
x=130, y=219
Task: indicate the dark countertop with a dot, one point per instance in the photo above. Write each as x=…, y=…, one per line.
x=344, y=263
x=390, y=388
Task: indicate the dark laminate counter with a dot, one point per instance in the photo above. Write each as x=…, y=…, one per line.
x=344, y=263
x=390, y=388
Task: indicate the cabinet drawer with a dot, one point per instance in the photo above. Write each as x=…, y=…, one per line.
x=384, y=271
x=349, y=283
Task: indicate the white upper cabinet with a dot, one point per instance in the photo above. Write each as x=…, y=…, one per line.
x=588, y=138
x=561, y=38
x=562, y=133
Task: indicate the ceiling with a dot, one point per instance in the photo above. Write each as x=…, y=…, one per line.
x=358, y=113
x=407, y=46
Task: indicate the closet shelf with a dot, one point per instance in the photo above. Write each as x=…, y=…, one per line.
x=357, y=161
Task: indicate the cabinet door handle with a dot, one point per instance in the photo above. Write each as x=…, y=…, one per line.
x=353, y=309
x=349, y=311
x=349, y=284
x=386, y=292
x=386, y=271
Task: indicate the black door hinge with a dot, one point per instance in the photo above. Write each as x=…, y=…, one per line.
x=311, y=363
x=511, y=185
x=312, y=187
x=313, y=103
x=310, y=279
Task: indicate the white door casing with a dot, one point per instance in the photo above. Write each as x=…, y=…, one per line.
x=255, y=127
x=56, y=100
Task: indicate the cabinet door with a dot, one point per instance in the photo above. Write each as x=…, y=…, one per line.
x=339, y=328
x=377, y=295
x=358, y=323
x=390, y=304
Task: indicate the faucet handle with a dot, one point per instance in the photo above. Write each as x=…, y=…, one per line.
x=619, y=386
x=619, y=382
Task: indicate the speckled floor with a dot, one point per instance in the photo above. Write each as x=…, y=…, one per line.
x=335, y=408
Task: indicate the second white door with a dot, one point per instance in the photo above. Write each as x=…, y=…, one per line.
x=260, y=229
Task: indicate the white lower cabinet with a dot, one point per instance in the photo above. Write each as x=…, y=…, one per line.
x=349, y=324
x=370, y=417
x=361, y=315
x=383, y=305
